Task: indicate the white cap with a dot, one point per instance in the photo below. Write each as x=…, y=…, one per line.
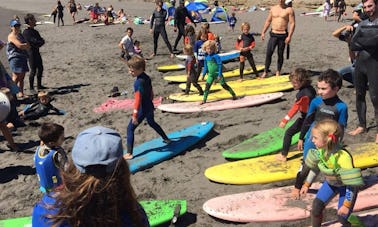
x=287, y=2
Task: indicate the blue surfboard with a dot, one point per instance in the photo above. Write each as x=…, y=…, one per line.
x=155, y=151
x=227, y=56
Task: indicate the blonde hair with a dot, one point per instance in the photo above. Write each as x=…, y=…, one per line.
x=211, y=44
x=43, y=94
x=188, y=49
x=137, y=62
x=301, y=75
x=245, y=24
x=330, y=131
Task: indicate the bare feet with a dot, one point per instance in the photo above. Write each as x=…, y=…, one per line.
x=357, y=131
x=202, y=103
x=128, y=156
x=172, y=55
x=240, y=80
x=376, y=138
x=278, y=73
x=281, y=157
x=152, y=55
x=295, y=193
x=263, y=75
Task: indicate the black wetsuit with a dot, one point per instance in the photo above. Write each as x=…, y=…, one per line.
x=60, y=9
x=275, y=40
x=365, y=40
x=37, y=110
x=158, y=19
x=246, y=40
x=35, y=60
x=181, y=13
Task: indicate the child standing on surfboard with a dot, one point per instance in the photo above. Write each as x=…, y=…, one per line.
x=245, y=43
x=300, y=79
x=327, y=105
x=191, y=71
x=143, y=106
x=213, y=67
x=336, y=164
x=199, y=52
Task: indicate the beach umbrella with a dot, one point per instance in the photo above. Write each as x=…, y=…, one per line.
x=196, y=6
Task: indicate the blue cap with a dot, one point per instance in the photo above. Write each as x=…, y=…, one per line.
x=97, y=146
x=14, y=22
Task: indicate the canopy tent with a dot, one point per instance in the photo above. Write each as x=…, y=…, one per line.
x=219, y=14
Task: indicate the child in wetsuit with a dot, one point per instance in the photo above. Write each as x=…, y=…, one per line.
x=50, y=158
x=245, y=43
x=336, y=164
x=143, y=106
x=213, y=68
x=191, y=70
x=301, y=81
x=40, y=108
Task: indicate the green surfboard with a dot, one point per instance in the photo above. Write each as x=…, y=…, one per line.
x=158, y=212
x=261, y=144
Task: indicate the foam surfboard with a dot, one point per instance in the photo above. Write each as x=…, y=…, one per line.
x=236, y=84
x=121, y=104
x=226, y=56
x=44, y=22
x=158, y=212
x=367, y=218
x=246, y=101
x=155, y=151
x=277, y=204
x=174, y=67
x=227, y=74
x=261, y=144
x=220, y=94
x=97, y=25
x=267, y=169
x=4, y=106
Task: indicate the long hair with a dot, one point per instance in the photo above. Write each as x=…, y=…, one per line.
x=96, y=200
x=302, y=76
x=331, y=131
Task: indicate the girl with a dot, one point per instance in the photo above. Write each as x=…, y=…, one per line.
x=245, y=43
x=190, y=66
x=190, y=35
x=337, y=166
x=213, y=67
x=199, y=52
x=301, y=81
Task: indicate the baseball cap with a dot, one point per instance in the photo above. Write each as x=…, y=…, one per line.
x=288, y=2
x=14, y=22
x=97, y=147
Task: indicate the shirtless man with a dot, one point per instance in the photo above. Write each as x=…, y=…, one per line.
x=282, y=19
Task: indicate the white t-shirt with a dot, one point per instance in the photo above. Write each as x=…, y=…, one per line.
x=128, y=44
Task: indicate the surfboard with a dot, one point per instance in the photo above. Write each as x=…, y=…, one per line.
x=155, y=151
x=261, y=144
x=158, y=212
x=220, y=94
x=236, y=84
x=44, y=22
x=267, y=169
x=174, y=67
x=367, y=218
x=226, y=56
x=121, y=104
x=246, y=101
x=276, y=204
x=4, y=106
x=227, y=74
x=97, y=25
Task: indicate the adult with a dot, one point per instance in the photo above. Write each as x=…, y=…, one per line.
x=157, y=27
x=127, y=44
x=359, y=14
x=35, y=40
x=181, y=13
x=365, y=41
x=281, y=18
x=17, y=47
x=71, y=6
x=97, y=177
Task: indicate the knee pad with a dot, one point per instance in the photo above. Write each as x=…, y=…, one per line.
x=317, y=208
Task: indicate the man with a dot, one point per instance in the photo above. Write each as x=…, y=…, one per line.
x=127, y=44
x=35, y=40
x=281, y=18
x=365, y=41
x=181, y=13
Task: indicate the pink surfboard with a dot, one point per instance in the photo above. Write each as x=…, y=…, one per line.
x=190, y=107
x=121, y=104
x=276, y=204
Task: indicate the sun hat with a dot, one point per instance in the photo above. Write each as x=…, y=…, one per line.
x=14, y=22
x=97, y=147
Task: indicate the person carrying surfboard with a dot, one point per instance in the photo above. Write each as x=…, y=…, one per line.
x=213, y=67
x=143, y=106
x=336, y=164
x=97, y=188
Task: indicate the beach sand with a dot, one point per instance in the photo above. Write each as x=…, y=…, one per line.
x=83, y=64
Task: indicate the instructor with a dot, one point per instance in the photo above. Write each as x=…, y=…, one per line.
x=181, y=13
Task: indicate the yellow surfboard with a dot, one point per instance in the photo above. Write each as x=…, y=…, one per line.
x=267, y=169
x=167, y=68
x=236, y=84
x=239, y=91
x=227, y=74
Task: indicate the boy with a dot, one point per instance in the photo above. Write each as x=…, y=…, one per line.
x=50, y=158
x=325, y=106
x=40, y=108
x=143, y=106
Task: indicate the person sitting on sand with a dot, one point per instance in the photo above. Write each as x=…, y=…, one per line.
x=121, y=16
x=40, y=108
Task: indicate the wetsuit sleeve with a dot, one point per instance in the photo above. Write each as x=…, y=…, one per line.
x=152, y=20
x=343, y=117
x=252, y=45
x=205, y=69
x=367, y=42
x=137, y=98
x=310, y=117
x=35, y=39
x=31, y=108
x=51, y=107
x=310, y=177
x=220, y=65
x=239, y=44
x=301, y=104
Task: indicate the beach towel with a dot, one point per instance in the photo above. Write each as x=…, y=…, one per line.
x=121, y=104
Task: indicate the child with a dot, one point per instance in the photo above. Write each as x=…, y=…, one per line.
x=213, y=67
x=50, y=158
x=245, y=43
x=205, y=28
x=232, y=21
x=301, y=81
x=190, y=35
x=137, y=49
x=59, y=10
x=325, y=106
x=190, y=67
x=326, y=9
x=199, y=52
x=337, y=165
x=143, y=106
x=40, y=108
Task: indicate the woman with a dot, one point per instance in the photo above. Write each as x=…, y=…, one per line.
x=96, y=186
x=17, y=55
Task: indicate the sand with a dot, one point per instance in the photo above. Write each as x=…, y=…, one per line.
x=83, y=64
